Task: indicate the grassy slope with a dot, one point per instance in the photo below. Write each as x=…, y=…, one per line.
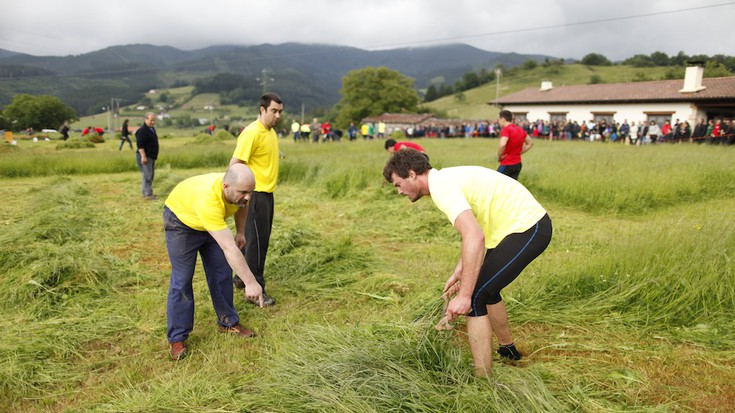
x=181, y=103
x=475, y=104
x=629, y=309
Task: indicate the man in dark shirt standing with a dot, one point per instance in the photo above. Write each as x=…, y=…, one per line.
x=514, y=141
x=147, y=142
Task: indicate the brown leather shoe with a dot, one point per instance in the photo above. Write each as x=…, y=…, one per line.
x=178, y=350
x=237, y=330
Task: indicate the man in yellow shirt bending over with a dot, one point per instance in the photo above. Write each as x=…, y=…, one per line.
x=194, y=221
x=503, y=229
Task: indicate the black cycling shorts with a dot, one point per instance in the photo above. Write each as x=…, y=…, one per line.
x=505, y=262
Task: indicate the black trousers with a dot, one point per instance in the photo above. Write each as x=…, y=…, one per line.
x=258, y=233
x=511, y=170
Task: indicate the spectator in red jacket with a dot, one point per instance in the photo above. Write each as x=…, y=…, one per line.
x=89, y=129
x=392, y=146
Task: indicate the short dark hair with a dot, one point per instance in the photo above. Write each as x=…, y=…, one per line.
x=266, y=100
x=390, y=143
x=506, y=114
x=403, y=161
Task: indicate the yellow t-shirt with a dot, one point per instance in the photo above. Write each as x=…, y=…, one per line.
x=258, y=148
x=501, y=205
x=199, y=203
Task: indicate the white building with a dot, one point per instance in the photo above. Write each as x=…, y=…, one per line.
x=694, y=98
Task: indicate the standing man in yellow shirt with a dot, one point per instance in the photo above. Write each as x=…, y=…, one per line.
x=503, y=228
x=296, y=130
x=257, y=147
x=194, y=222
x=305, y=132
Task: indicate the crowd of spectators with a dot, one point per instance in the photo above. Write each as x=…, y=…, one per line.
x=714, y=131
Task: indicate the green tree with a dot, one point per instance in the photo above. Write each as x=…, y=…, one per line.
x=715, y=69
x=486, y=76
x=431, y=94
x=660, y=58
x=445, y=90
x=595, y=59
x=37, y=112
x=639, y=60
x=680, y=59
x=470, y=80
x=146, y=101
x=373, y=91
x=530, y=64
x=727, y=61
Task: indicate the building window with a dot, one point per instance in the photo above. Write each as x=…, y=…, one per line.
x=600, y=116
x=659, y=118
x=558, y=117
x=520, y=117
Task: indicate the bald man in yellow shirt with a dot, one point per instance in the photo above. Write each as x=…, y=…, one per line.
x=503, y=229
x=194, y=222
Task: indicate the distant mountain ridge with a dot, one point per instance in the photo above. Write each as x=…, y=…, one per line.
x=303, y=73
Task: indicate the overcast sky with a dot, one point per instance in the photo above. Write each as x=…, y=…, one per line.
x=569, y=29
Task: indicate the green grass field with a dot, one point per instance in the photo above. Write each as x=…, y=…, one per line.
x=629, y=309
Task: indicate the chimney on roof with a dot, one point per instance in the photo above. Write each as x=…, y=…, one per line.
x=546, y=85
x=693, y=78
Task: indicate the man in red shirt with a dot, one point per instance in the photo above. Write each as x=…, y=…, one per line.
x=717, y=131
x=89, y=129
x=666, y=131
x=392, y=146
x=514, y=141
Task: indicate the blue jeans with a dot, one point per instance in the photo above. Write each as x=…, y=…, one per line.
x=147, y=171
x=183, y=244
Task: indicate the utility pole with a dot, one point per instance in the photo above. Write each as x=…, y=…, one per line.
x=110, y=111
x=264, y=79
x=115, y=105
x=498, y=72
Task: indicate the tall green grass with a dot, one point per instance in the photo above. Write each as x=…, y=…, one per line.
x=629, y=309
x=199, y=152
x=612, y=179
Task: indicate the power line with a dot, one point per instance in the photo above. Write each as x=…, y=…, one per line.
x=554, y=26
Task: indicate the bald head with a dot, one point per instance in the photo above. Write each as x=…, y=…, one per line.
x=238, y=184
x=239, y=173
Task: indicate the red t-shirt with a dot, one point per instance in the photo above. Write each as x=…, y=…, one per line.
x=515, y=136
x=400, y=145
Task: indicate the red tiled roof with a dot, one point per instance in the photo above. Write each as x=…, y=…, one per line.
x=400, y=118
x=716, y=88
